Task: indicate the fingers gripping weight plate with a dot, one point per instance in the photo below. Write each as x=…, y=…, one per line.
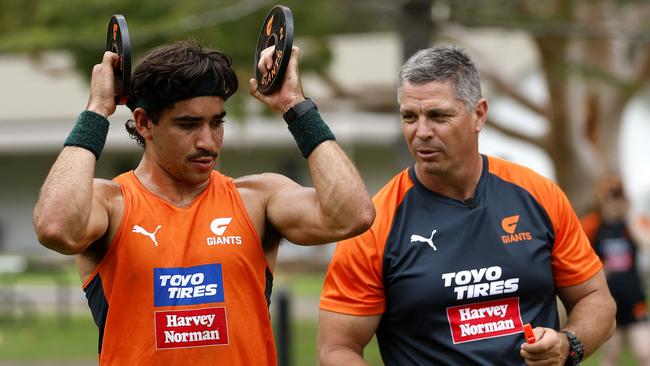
x=118, y=41
x=277, y=31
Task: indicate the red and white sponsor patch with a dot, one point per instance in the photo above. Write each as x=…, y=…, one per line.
x=191, y=328
x=487, y=319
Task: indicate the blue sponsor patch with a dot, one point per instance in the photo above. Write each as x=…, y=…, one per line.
x=188, y=286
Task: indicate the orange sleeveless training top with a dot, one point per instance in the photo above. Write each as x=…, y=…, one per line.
x=183, y=286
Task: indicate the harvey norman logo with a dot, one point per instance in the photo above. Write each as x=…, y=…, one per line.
x=509, y=225
x=191, y=328
x=489, y=319
x=219, y=226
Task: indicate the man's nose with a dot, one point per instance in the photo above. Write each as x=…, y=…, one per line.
x=205, y=139
x=424, y=129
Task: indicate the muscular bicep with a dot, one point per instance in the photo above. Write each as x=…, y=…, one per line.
x=68, y=217
x=104, y=195
x=342, y=337
x=596, y=285
x=295, y=212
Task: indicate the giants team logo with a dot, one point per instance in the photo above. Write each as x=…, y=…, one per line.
x=218, y=226
x=191, y=328
x=489, y=319
x=187, y=286
x=509, y=225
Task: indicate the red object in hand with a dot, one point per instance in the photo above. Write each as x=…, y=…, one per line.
x=528, y=334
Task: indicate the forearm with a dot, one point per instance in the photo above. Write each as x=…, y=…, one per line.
x=343, y=198
x=63, y=208
x=592, y=320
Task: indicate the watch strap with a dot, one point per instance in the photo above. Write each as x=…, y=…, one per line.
x=298, y=110
x=576, y=349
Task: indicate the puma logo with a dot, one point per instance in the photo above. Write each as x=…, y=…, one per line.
x=140, y=230
x=422, y=239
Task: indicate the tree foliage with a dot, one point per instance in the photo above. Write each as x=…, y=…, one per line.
x=79, y=26
x=595, y=57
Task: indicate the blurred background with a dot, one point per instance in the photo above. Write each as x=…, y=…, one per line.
x=568, y=83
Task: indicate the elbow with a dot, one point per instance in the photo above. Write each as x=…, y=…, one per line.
x=323, y=358
x=327, y=355
x=612, y=329
x=52, y=236
x=365, y=218
x=612, y=313
x=362, y=220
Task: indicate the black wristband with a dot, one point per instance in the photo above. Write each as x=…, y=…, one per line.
x=309, y=130
x=89, y=132
x=298, y=110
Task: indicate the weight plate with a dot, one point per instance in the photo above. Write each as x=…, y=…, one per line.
x=277, y=31
x=118, y=41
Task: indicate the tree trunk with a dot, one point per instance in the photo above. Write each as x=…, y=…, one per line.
x=416, y=30
x=415, y=26
x=564, y=143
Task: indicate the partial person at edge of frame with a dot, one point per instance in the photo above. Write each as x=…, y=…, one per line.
x=610, y=232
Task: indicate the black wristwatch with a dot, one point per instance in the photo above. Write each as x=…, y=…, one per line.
x=298, y=110
x=576, y=350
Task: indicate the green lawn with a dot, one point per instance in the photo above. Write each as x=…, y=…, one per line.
x=48, y=338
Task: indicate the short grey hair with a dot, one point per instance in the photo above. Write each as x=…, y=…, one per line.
x=441, y=64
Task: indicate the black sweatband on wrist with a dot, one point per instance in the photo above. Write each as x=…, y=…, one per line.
x=309, y=130
x=89, y=133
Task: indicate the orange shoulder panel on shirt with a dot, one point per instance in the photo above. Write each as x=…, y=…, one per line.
x=354, y=281
x=573, y=259
x=590, y=224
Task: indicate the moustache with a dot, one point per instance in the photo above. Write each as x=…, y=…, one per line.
x=202, y=154
x=438, y=147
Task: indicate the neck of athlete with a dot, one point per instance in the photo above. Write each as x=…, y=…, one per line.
x=164, y=185
x=458, y=182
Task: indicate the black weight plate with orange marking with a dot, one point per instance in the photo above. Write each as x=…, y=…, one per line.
x=277, y=31
x=118, y=41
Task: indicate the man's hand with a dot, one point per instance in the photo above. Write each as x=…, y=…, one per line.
x=290, y=92
x=550, y=348
x=102, y=85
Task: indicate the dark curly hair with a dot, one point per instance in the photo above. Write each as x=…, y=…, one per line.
x=174, y=72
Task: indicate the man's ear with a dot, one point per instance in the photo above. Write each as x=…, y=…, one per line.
x=143, y=123
x=480, y=112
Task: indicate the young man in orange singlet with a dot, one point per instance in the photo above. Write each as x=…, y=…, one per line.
x=176, y=259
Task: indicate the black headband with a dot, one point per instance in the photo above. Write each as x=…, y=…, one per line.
x=203, y=86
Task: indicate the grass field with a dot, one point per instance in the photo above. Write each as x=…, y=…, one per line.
x=51, y=339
